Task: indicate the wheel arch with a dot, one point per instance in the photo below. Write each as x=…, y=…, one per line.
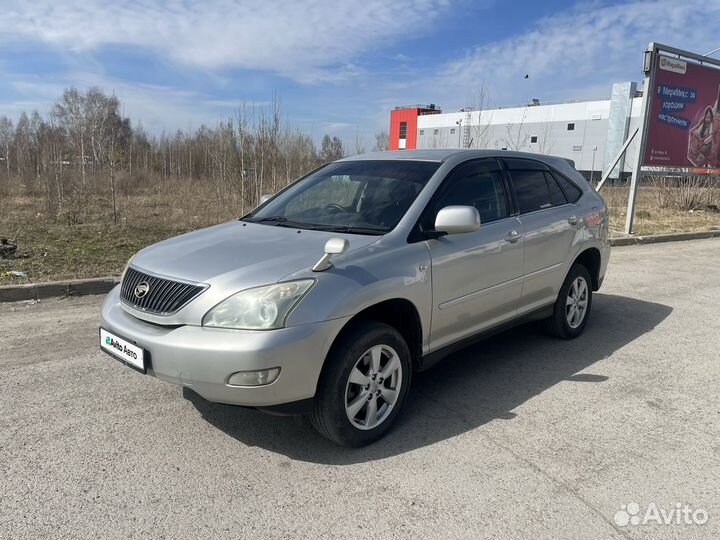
x=401, y=314
x=591, y=259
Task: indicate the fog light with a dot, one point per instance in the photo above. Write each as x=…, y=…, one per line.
x=254, y=378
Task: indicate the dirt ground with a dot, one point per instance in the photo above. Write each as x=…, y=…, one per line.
x=521, y=435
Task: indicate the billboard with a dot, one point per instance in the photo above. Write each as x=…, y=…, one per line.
x=684, y=123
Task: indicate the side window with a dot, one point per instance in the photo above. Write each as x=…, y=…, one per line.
x=531, y=190
x=556, y=194
x=478, y=184
x=572, y=192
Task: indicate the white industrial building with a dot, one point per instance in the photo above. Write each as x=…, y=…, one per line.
x=590, y=133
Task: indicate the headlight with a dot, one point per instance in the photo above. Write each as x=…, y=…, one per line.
x=262, y=308
x=127, y=265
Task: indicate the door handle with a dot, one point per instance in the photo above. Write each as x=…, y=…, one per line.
x=512, y=237
x=573, y=220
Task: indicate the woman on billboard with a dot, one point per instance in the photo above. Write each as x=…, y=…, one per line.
x=700, y=145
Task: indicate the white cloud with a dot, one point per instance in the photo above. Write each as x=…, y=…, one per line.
x=574, y=54
x=307, y=41
x=335, y=126
x=159, y=108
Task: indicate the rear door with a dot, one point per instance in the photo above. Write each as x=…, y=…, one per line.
x=477, y=276
x=550, y=224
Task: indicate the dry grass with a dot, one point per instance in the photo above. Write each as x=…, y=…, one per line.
x=54, y=249
x=650, y=218
x=94, y=246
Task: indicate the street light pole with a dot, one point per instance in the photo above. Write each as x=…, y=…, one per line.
x=459, y=124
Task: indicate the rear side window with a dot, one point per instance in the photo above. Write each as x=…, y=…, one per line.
x=531, y=190
x=572, y=192
x=556, y=194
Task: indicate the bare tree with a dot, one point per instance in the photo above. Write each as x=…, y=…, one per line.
x=382, y=141
x=22, y=145
x=358, y=145
x=99, y=111
x=115, y=137
x=6, y=137
x=331, y=149
x=85, y=148
x=36, y=126
x=69, y=113
x=479, y=118
x=545, y=141
x=516, y=137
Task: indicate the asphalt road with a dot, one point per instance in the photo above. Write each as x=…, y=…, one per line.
x=520, y=436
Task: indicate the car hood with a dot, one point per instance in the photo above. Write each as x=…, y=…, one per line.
x=240, y=254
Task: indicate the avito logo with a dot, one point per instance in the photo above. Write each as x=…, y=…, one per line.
x=681, y=514
x=120, y=347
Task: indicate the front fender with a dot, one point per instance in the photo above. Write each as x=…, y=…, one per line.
x=360, y=282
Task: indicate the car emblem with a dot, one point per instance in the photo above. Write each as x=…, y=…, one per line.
x=142, y=289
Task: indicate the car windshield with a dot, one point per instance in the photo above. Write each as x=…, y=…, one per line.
x=362, y=197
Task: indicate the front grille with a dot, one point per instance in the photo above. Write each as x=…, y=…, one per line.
x=163, y=296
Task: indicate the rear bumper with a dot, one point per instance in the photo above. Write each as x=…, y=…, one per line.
x=203, y=358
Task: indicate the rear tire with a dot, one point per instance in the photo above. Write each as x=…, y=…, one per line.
x=572, y=307
x=363, y=386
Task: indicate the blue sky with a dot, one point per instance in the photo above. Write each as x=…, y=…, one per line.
x=337, y=66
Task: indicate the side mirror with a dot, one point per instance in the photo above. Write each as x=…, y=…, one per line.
x=457, y=220
x=265, y=198
x=334, y=246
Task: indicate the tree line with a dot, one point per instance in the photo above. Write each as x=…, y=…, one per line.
x=85, y=146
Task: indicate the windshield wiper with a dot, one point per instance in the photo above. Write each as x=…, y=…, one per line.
x=352, y=230
x=281, y=221
x=278, y=219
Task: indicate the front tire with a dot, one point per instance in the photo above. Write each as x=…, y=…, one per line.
x=572, y=307
x=363, y=386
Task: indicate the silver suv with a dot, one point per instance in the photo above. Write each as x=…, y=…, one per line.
x=330, y=294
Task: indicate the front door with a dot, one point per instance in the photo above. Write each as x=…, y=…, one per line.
x=476, y=276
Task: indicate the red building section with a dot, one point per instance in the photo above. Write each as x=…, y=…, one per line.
x=403, y=125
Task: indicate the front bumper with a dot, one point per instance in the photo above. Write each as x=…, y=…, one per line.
x=203, y=358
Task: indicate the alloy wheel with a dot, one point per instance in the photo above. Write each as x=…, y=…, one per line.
x=577, y=302
x=373, y=387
